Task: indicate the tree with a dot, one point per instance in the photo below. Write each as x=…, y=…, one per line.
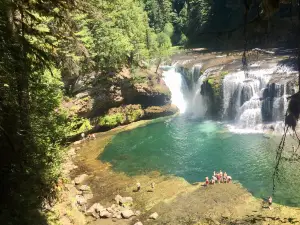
x=31, y=126
x=159, y=13
x=163, y=48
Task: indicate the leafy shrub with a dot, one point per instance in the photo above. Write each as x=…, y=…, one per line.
x=112, y=120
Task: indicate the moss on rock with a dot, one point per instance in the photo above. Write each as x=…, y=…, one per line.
x=215, y=81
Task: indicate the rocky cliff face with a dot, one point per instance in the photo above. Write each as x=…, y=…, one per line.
x=120, y=94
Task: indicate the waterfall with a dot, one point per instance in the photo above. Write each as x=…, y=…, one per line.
x=251, y=101
x=198, y=103
x=177, y=86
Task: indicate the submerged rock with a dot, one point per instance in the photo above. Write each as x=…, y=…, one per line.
x=79, y=179
x=153, y=216
x=126, y=214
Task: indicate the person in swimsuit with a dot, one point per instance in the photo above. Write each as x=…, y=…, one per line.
x=206, y=181
x=218, y=177
x=213, y=181
x=229, y=179
x=225, y=177
x=221, y=176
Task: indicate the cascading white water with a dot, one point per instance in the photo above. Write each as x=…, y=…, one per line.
x=242, y=97
x=256, y=102
x=198, y=103
x=177, y=86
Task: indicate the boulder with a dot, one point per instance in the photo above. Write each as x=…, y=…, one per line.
x=80, y=200
x=137, y=213
x=79, y=179
x=96, y=215
x=109, y=209
x=126, y=201
x=88, y=196
x=138, y=223
x=95, y=208
x=118, y=199
x=105, y=214
x=153, y=216
x=126, y=214
x=117, y=215
x=84, y=188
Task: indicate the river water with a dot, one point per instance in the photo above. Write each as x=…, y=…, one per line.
x=193, y=149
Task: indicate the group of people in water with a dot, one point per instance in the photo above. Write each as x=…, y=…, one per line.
x=218, y=177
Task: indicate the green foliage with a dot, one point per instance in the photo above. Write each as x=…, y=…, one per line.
x=159, y=13
x=215, y=81
x=198, y=16
x=112, y=120
x=121, y=115
x=32, y=125
x=120, y=37
x=169, y=29
x=78, y=125
x=138, y=79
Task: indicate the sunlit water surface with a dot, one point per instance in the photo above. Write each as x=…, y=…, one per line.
x=194, y=149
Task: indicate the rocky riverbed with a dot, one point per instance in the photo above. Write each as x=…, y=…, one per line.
x=95, y=194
